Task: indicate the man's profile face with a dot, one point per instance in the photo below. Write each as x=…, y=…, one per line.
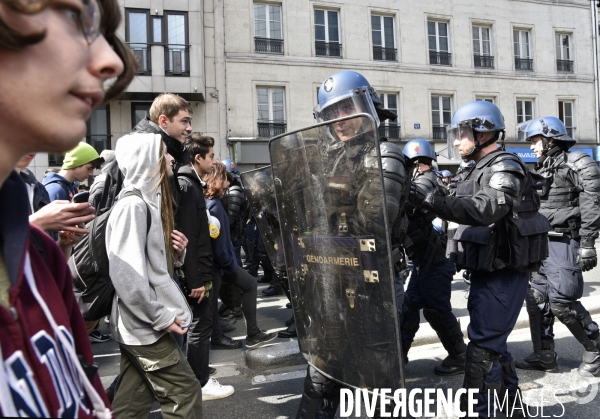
x=180, y=127
x=537, y=145
x=81, y=173
x=203, y=165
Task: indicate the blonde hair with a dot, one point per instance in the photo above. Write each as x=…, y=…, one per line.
x=166, y=214
x=215, y=181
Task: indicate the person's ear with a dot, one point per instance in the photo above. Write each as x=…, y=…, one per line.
x=162, y=121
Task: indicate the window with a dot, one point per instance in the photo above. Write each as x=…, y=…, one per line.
x=384, y=41
x=522, y=47
x=524, y=110
x=390, y=129
x=563, y=53
x=177, y=48
x=438, y=43
x=327, y=33
x=268, y=37
x=139, y=110
x=170, y=30
x=487, y=99
x=98, y=129
x=565, y=114
x=137, y=36
x=441, y=115
x=271, y=111
x=482, y=47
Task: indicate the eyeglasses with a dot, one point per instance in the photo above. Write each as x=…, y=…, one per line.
x=89, y=20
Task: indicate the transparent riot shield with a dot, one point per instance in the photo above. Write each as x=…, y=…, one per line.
x=260, y=190
x=336, y=242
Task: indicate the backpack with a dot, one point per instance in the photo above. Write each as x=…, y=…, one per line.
x=113, y=184
x=88, y=263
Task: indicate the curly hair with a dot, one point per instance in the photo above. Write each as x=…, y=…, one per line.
x=111, y=17
x=215, y=181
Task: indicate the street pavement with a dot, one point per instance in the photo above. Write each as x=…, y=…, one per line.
x=275, y=393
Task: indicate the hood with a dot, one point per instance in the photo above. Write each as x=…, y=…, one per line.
x=190, y=173
x=174, y=147
x=55, y=177
x=137, y=156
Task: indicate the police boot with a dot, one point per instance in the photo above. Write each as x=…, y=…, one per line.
x=405, y=348
x=454, y=363
x=542, y=360
x=478, y=364
x=591, y=361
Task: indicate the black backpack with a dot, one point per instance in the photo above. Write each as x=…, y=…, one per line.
x=89, y=267
x=113, y=184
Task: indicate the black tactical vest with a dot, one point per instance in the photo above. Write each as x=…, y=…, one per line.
x=518, y=241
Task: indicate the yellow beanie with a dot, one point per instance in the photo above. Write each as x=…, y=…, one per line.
x=80, y=155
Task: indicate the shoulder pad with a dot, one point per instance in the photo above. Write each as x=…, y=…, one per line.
x=509, y=165
x=426, y=180
x=388, y=149
x=236, y=190
x=579, y=160
x=587, y=170
x=506, y=182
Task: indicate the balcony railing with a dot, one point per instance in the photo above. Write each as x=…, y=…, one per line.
x=99, y=142
x=440, y=58
x=439, y=132
x=564, y=65
x=328, y=49
x=268, y=45
x=268, y=129
x=55, y=159
x=143, y=58
x=177, y=60
x=384, y=54
x=390, y=131
x=524, y=64
x=484, y=61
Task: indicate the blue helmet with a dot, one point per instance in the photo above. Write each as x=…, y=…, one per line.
x=347, y=93
x=446, y=173
x=419, y=148
x=478, y=116
x=547, y=127
x=231, y=165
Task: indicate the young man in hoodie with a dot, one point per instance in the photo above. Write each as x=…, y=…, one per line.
x=192, y=219
x=78, y=165
x=55, y=61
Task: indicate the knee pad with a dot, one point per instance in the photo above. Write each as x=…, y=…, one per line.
x=478, y=363
x=316, y=385
x=535, y=301
x=407, y=306
x=563, y=312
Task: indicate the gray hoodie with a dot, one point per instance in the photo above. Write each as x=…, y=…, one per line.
x=147, y=300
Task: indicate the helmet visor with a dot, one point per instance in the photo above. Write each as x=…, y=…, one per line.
x=461, y=141
x=357, y=101
x=522, y=131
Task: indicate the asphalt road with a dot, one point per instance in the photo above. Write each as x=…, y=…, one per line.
x=276, y=393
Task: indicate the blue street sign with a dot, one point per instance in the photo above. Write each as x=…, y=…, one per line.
x=528, y=156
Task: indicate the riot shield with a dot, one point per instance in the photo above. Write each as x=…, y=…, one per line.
x=259, y=188
x=336, y=243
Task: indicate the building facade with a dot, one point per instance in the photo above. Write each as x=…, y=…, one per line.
x=252, y=68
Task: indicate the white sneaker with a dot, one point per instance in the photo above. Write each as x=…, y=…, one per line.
x=214, y=391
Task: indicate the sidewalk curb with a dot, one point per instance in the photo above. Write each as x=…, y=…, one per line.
x=426, y=335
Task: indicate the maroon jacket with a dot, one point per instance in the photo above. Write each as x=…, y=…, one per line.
x=39, y=376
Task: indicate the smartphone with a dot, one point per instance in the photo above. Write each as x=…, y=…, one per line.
x=81, y=197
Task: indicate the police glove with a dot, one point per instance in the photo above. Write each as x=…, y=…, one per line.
x=586, y=255
x=420, y=197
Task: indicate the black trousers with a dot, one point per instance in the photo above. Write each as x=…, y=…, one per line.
x=198, y=335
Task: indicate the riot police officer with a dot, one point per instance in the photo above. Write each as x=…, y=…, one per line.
x=430, y=285
x=500, y=239
x=570, y=199
x=352, y=336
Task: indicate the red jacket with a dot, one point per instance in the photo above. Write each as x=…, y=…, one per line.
x=39, y=376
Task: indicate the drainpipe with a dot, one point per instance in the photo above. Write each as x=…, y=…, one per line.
x=596, y=75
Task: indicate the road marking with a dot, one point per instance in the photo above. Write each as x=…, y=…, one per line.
x=280, y=399
x=106, y=355
x=283, y=376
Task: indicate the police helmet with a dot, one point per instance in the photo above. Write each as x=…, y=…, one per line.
x=478, y=116
x=417, y=148
x=446, y=173
x=231, y=165
x=547, y=127
x=348, y=93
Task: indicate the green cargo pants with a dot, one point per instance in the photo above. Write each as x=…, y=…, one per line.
x=158, y=371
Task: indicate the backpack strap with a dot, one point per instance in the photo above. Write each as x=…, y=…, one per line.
x=39, y=247
x=64, y=187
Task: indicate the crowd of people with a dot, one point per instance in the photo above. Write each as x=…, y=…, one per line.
x=174, y=220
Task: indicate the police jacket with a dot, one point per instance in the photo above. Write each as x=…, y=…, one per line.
x=426, y=244
x=352, y=172
x=570, y=196
x=193, y=222
x=496, y=207
x=237, y=207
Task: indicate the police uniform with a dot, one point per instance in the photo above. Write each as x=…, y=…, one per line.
x=430, y=285
x=570, y=199
x=500, y=239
